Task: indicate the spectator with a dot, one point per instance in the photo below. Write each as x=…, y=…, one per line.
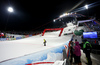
x=87, y=50
x=77, y=53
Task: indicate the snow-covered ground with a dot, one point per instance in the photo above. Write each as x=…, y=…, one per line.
x=18, y=48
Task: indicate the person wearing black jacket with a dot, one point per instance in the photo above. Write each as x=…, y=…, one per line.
x=87, y=50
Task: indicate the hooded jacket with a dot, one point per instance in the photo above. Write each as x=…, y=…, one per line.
x=87, y=47
x=77, y=50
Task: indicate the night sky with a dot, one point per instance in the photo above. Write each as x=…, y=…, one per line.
x=32, y=15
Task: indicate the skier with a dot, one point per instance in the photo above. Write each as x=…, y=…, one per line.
x=44, y=42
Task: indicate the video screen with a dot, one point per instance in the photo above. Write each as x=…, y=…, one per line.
x=89, y=34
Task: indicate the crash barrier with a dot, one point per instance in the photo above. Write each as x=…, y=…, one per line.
x=26, y=36
x=10, y=38
x=2, y=39
x=30, y=35
x=16, y=37
x=51, y=55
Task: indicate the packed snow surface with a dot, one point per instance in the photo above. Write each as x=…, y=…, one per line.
x=17, y=48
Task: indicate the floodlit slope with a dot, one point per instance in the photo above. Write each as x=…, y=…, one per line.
x=17, y=48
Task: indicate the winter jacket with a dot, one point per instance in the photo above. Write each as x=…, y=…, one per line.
x=87, y=47
x=77, y=50
x=44, y=41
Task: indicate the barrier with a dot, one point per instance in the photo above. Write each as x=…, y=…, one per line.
x=26, y=36
x=33, y=34
x=18, y=38
x=30, y=35
x=23, y=36
x=14, y=38
x=2, y=39
x=7, y=38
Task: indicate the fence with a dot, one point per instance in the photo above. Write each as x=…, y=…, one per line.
x=14, y=37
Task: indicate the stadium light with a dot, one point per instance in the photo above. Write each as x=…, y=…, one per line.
x=86, y=6
x=10, y=9
x=54, y=20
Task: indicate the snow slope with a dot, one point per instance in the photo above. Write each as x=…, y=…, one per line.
x=18, y=48
x=33, y=46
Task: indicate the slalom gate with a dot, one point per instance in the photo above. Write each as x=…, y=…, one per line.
x=53, y=29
